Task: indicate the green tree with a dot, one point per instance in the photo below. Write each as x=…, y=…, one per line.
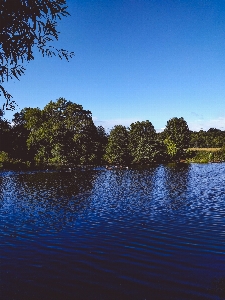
x=193, y=139
x=117, y=151
x=4, y=159
x=102, y=140
x=202, y=139
x=177, y=136
x=5, y=134
x=172, y=149
x=25, y=25
x=20, y=135
x=142, y=137
x=85, y=143
x=214, y=138
x=63, y=132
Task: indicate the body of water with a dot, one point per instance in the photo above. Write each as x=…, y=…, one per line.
x=157, y=233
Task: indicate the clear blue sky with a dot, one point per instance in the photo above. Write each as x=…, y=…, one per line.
x=136, y=60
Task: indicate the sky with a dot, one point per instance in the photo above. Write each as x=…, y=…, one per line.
x=135, y=60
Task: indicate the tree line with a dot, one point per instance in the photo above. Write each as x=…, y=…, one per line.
x=213, y=138
x=63, y=133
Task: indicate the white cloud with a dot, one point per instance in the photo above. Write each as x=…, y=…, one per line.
x=197, y=125
x=160, y=129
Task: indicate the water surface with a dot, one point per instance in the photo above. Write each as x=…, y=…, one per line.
x=99, y=234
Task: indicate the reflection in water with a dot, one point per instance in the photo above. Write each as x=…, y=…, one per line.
x=176, y=182
x=129, y=191
x=56, y=185
x=121, y=234
x=47, y=198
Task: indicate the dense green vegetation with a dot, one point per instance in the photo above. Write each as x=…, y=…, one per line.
x=213, y=138
x=63, y=134
x=206, y=155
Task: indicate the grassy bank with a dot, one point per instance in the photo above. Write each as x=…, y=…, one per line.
x=206, y=155
x=205, y=149
x=193, y=155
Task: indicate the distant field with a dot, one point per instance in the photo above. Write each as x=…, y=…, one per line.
x=205, y=149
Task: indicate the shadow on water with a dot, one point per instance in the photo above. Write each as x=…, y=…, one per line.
x=56, y=185
x=175, y=179
x=46, y=198
x=123, y=192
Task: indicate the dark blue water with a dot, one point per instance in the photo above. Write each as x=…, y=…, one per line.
x=130, y=234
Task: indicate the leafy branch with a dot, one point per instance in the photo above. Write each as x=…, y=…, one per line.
x=23, y=26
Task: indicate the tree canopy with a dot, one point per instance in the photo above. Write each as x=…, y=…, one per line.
x=141, y=140
x=24, y=25
x=117, y=151
x=63, y=132
x=212, y=138
x=5, y=135
x=177, y=136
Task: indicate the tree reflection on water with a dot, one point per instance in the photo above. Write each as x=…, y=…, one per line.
x=176, y=182
x=50, y=198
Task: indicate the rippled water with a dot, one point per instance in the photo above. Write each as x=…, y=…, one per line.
x=131, y=234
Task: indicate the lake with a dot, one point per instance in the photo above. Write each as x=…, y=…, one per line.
x=156, y=233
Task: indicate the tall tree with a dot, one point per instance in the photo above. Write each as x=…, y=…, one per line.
x=25, y=25
x=102, y=140
x=214, y=137
x=63, y=132
x=20, y=135
x=5, y=134
x=117, y=151
x=177, y=136
x=142, y=136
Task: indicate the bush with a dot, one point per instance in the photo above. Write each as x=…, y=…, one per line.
x=220, y=154
x=200, y=157
x=206, y=156
x=4, y=159
x=13, y=164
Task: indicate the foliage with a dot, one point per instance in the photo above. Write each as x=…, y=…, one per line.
x=24, y=25
x=142, y=136
x=20, y=133
x=200, y=157
x=5, y=135
x=117, y=151
x=63, y=132
x=102, y=140
x=220, y=154
x=144, y=145
x=205, y=156
x=4, y=157
x=7, y=162
x=177, y=138
x=147, y=153
x=205, y=139
x=172, y=149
